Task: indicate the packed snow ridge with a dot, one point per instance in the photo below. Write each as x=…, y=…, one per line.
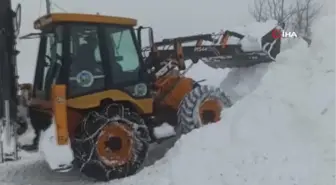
x=283, y=133
x=280, y=133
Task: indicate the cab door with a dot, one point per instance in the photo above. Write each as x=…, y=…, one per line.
x=48, y=66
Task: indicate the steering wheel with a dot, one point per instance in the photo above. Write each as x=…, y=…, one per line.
x=17, y=20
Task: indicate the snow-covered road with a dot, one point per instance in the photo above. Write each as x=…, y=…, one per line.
x=283, y=133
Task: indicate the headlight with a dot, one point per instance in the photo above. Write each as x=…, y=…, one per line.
x=140, y=90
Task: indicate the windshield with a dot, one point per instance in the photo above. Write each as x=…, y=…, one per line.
x=86, y=69
x=121, y=44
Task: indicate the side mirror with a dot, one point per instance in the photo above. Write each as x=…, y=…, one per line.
x=139, y=36
x=150, y=35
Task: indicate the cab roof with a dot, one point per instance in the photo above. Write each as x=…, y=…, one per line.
x=46, y=20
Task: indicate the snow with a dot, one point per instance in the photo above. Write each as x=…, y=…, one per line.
x=242, y=81
x=164, y=130
x=280, y=131
x=28, y=136
x=201, y=71
x=59, y=157
x=8, y=142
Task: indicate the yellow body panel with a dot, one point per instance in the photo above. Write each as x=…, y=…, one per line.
x=172, y=90
x=82, y=18
x=144, y=106
x=60, y=113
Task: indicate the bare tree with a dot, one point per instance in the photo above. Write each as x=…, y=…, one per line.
x=312, y=10
x=298, y=14
x=258, y=10
x=297, y=19
x=271, y=9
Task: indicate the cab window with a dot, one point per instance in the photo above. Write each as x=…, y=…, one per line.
x=125, y=58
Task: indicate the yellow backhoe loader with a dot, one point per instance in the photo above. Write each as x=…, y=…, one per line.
x=98, y=94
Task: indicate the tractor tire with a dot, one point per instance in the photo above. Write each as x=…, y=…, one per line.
x=111, y=144
x=201, y=106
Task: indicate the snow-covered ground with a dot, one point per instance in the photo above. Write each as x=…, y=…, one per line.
x=282, y=133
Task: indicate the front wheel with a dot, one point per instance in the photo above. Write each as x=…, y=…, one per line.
x=201, y=106
x=111, y=144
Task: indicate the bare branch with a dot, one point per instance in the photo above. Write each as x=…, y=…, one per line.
x=258, y=11
x=297, y=15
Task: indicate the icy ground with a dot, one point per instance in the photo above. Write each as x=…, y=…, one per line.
x=282, y=133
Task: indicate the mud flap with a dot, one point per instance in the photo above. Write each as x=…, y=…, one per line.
x=54, y=142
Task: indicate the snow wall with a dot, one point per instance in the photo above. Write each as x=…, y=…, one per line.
x=282, y=133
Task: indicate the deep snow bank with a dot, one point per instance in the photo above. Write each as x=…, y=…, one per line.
x=282, y=133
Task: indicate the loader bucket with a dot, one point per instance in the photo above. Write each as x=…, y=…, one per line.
x=233, y=56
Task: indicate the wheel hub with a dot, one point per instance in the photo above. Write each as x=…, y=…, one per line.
x=210, y=111
x=208, y=116
x=114, y=145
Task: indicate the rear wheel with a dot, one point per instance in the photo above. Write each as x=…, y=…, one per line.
x=111, y=144
x=201, y=106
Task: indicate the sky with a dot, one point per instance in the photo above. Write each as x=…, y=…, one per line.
x=168, y=18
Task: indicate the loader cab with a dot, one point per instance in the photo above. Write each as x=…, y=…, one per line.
x=89, y=54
